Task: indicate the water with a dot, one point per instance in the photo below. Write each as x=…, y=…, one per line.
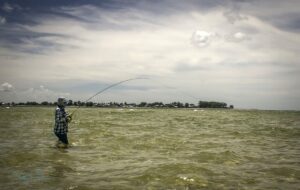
x=180, y=149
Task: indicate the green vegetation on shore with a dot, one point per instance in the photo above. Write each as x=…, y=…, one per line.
x=201, y=104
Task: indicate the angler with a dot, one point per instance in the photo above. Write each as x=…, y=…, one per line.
x=62, y=118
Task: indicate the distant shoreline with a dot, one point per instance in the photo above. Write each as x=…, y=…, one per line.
x=201, y=104
x=94, y=107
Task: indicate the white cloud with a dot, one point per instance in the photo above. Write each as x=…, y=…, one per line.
x=237, y=37
x=6, y=87
x=9, y=94
x=2, y=20
x=202, y=38
x=39, y=94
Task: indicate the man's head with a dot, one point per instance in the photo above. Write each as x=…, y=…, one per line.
x=61, y=101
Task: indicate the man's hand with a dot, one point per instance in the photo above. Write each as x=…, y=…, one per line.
x=69, y=118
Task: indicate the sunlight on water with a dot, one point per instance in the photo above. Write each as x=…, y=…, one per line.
x=151, y=149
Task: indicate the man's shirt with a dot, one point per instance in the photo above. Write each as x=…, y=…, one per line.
x=61, y=125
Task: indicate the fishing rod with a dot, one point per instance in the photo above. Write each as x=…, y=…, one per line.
x=138, y=78
x=105, y=89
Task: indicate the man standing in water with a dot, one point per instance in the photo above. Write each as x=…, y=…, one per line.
x=61, y=123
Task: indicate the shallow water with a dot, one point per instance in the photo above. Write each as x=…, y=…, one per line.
x=151, y=149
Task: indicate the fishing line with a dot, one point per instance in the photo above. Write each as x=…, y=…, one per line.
x=105, y=89
x=138, y=78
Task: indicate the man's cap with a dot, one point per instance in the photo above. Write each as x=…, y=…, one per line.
x=61, y=99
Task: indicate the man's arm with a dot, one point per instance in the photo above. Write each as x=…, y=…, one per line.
x=69, y=118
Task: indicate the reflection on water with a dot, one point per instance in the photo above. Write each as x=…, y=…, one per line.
x=151, y=149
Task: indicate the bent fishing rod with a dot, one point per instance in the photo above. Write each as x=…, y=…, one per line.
x=105, y=89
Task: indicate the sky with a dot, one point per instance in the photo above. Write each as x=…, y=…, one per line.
x=242, y=52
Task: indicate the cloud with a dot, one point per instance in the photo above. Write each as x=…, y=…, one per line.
x=234, y=15
x=6, y=87
x=38, y=94
x=2, y=20
x=184, y=67
x=7, y=7
x=73, y=46
x=10, y=7
x=9, y=93
x=287, y=22
x=237, y=37
x=283, y=15
x=202, y=38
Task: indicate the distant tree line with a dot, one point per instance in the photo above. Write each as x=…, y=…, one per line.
x=201, y=104
x=205, y=104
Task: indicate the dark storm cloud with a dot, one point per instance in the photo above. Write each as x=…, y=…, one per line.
x=17, y=14
x=32, y=9
x=23, y=35
x=161, y=7
x=288, y=22
x=283, y=15
x=13, y=38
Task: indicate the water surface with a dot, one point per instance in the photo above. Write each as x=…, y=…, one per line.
x=151, y=149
